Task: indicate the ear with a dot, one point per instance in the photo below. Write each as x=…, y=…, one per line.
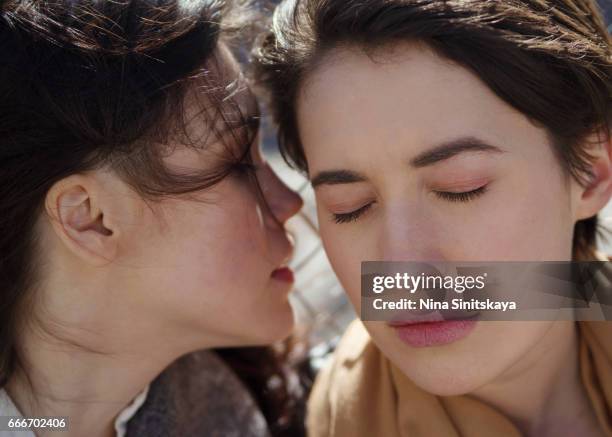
x=80, y=215
x=596, y=195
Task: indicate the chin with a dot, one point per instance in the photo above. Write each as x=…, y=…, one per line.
x=445, y=385
x=276, y=327
x=441, y=371
x=441, y=376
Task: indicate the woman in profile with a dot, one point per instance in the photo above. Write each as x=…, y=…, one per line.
x=457, y=131
x=139, y=223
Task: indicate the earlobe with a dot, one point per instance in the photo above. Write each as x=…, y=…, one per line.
x=596, y=195
x=79, y=221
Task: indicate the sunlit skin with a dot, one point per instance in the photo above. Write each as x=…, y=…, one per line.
x=391, y=141
x=131, y=285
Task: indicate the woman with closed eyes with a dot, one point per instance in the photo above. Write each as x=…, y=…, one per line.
x=452, y=131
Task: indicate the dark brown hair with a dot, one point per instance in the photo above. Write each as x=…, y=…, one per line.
x=92, y=83
x=549, y=59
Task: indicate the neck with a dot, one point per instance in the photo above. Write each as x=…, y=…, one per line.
x=542, y=393
x=90, y=387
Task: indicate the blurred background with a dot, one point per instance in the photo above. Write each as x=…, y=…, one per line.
x=322, y=310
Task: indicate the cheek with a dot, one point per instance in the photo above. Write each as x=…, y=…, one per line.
x=537, y=211
x=345, y=254
x=231, y=243
x=211, y=250
x=522, y=223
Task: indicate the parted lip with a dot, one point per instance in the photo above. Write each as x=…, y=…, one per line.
x=431, y=317
x=414, y=318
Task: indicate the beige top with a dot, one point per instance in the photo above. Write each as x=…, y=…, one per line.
x=362, y=394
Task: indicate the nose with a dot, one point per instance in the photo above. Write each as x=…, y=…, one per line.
x=283, y=202
x=409, y=236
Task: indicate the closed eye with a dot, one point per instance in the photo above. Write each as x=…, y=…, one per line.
x=465, y=196
x=351, y=216
x=450, y=196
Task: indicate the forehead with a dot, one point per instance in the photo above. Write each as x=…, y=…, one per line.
x=406, y=93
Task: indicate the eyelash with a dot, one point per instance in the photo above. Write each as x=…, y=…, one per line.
x=465, y=196
x=351, y=216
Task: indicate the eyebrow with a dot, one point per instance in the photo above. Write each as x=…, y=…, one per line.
x=334, y=177
x=429, y=157
x=451, y=148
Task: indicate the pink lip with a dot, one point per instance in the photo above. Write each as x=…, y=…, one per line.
x=284, y=274
x=433, y=333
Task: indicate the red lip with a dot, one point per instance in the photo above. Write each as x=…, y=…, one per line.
x=284, y=274
x=433, y=333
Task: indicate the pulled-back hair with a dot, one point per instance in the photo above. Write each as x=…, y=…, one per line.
x=549, y=59
x=86, y=84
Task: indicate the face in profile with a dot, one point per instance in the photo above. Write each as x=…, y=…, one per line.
x=218, y=259
x=205, y=269
x=413, y=158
